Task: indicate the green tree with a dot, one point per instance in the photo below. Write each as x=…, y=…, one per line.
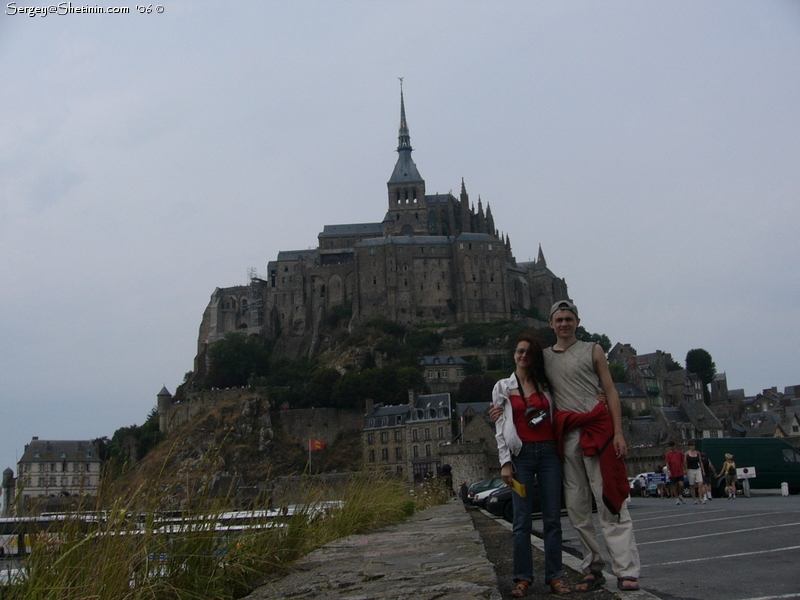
x=234, y=359
x=597, y=338
x=476, y=388
x=617, y=373
x=673, y=365
x=699, y=362
x=318, y=392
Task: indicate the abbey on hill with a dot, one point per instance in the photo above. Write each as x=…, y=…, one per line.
x=433, y=258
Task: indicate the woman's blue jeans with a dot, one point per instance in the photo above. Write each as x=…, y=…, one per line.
x=538, y=460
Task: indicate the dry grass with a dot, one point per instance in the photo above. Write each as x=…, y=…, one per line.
x=127, y=554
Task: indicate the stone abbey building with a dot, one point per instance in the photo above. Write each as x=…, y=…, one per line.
x=433, y=258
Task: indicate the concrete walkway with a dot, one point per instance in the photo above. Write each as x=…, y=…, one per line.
x=435, y=554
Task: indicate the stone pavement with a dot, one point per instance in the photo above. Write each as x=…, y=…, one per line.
x=435, y=554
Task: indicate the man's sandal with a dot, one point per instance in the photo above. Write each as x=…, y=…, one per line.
x=558, y=588
x=633, y=584
x=592, y=580
x=521, y=588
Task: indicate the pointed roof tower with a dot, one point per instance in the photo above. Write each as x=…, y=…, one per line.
x=541, y=262
x=404, y=170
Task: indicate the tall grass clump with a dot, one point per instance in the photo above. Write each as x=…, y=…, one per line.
x=135, y=550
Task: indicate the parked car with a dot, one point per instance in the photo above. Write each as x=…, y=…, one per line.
x=480, y=497
x=479, y=486
x=499, y=503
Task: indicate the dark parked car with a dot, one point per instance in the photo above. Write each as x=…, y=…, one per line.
x=499, y=504
x=480, y=486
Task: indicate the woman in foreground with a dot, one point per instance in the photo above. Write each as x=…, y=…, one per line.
x=528, y=452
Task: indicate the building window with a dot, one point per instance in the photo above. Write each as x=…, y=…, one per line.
x=384, y=437
x=372, y=456
x=385, y=454
x=398, y=454
x=398, y=435
x=428, y=450
x=415, y=435
x=370, y=438
x=415, y=451
x=440, y=433
x=427, y=433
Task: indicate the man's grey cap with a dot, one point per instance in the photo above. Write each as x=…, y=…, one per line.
x=564, y=305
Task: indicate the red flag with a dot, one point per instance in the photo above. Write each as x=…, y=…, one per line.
x=316, y=445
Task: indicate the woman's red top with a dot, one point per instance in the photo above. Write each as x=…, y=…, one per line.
x=543, y=431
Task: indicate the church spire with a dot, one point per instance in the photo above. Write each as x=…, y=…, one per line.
x=403, y=136
x=405, y=170
x=541, y=262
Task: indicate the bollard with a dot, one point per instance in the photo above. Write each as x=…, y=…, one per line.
x=784, y=489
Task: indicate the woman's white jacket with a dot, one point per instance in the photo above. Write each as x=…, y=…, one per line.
x=508, y=441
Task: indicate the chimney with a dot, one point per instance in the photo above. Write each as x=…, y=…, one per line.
x=369, y=406
x=412, y=399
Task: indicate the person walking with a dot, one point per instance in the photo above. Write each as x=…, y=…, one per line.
x=694, y=470
x=523, y=410
x=593, y=445
x=674, y=460
x=709, y=474
x=728, y=471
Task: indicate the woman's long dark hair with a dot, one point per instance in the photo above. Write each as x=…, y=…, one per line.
x=536, y=368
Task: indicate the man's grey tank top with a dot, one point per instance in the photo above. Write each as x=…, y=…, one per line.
x=575, y=383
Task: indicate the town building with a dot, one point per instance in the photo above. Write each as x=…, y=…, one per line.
x=56, y=469
x=431, y=258
x=405, y=439
x=443, y=373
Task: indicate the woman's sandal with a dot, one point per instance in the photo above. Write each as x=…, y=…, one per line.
x=633, y=584
x=558, y=588
x=521, y=588
x=592, y=580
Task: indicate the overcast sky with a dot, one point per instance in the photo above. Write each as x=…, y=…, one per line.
x=651, y=148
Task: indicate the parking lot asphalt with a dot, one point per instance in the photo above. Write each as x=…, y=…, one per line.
x=742, y=549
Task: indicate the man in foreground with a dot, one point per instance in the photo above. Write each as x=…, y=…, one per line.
x=594, y=448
